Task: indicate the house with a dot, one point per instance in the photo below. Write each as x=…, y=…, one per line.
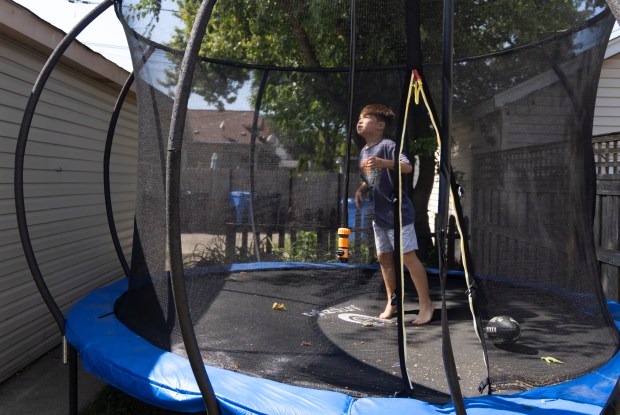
x=607, y=110
x=63, y=180
x=509, y=129
x=223, y=140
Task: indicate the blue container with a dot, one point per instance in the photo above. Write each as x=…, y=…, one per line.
x=241, y=202
x=364, y=217
x=351, y=210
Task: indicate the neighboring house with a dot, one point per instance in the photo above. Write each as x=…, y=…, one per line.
x=607, y=110
x=216, y=161
x=606, y=114
x=222, y=140
x=63, y=177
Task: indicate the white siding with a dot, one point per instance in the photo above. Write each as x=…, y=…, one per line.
x=64, y=197
x=607, y=110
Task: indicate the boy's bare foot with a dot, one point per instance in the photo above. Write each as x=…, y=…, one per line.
x=425, y=315
x=388, y=313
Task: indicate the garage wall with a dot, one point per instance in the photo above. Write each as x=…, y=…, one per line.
x=63, y=179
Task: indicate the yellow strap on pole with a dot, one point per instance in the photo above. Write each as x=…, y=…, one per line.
x=419, y=91
x=399, y=198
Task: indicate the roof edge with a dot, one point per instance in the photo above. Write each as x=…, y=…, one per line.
x=42, y=37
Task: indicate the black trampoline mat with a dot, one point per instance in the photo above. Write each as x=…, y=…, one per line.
x=424, y=358
x=284, y=325
x=318, y=328
x=313, y=328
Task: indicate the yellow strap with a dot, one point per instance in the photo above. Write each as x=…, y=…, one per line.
x=400, y=206
x=420, y=91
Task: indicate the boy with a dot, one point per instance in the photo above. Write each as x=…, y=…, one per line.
x=376, y=159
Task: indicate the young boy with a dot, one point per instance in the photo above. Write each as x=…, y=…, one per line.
x=376, y=159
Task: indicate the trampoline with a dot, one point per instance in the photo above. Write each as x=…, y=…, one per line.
x=238, y=297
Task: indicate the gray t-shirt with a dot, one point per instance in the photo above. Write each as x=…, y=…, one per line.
x=381, y=184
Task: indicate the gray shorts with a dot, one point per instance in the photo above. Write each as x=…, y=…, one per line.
x=384, y=239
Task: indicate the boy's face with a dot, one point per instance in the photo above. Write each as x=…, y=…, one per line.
x=369, y=126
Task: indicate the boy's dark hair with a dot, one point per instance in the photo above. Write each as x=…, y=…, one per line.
x=380, y=111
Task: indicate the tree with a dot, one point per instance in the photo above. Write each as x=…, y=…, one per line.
x=311, y=107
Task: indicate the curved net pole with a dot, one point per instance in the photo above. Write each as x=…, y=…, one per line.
x=106, y=172
x=444, y=190
x=254, y=135
x=20, y=151
x=344, y=223
x=173, y=183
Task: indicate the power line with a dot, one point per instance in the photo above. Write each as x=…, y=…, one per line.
x=98, y=2
x=83, y=1
x=106, y=45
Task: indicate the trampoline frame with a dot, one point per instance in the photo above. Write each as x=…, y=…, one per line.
x=130, y=363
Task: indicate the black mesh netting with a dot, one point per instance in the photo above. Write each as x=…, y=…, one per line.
x=266, y=179
x=522, y=152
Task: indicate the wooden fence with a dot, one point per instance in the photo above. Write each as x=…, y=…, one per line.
x=507, y=219
x=607, y=217
x=217, y=202
x=305, y=203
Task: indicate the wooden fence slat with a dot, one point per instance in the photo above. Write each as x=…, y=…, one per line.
x=607, y=218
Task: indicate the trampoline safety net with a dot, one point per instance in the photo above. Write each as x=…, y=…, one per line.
x=269, y=170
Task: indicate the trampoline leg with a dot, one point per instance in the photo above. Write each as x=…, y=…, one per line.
x=73, y=380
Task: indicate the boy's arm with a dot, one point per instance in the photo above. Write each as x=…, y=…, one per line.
x=360, y=193
x=404, y=167
x=389, y=164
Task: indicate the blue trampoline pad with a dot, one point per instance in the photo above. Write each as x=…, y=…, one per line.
x=128, y=362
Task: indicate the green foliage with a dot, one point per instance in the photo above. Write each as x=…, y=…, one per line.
x=307, y=111
x=212, y=254
x=485, y=27
x=144, y=9
x=303, y=248
x=312, y=113
x=424, y=146
x=362, y=252
x=311, y=131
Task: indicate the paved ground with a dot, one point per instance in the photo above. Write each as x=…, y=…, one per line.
x=42, y=388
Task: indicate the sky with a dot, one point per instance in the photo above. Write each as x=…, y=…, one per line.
x=105, y=35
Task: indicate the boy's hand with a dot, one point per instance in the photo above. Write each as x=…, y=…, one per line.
x=359, y=196
x=376, y=162
x=379, y=163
